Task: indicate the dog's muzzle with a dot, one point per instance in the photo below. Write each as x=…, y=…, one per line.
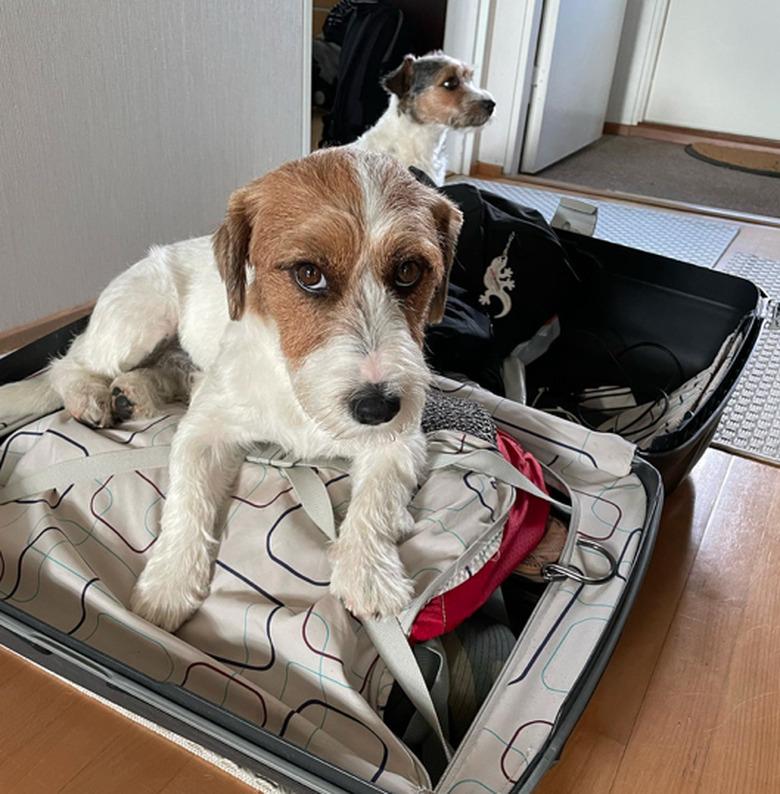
x=372, y=404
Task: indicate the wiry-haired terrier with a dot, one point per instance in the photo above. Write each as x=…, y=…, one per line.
x=305, y=313
x=428, y=96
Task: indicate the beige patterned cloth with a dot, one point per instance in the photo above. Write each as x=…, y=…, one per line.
x=270, y=644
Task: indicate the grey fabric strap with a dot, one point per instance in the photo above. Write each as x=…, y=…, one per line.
x=393, y=646
x=495, y=465
x=314, y=497
x=387, y=635
x=61, y=475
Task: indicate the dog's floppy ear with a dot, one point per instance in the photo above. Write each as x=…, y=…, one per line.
x=400, y=81
x=448, y=219
x=231, y=249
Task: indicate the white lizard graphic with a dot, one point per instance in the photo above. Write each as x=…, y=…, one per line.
x=498, y=280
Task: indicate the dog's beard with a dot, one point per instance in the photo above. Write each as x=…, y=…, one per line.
x=364, y=354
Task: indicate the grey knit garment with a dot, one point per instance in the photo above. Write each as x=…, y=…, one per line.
x=443, y=412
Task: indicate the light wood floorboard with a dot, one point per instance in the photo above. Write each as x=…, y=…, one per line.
x=55, y=739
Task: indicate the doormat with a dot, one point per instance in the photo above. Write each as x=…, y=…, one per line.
x=675, y=235
x=752, y=161
x=750, y=424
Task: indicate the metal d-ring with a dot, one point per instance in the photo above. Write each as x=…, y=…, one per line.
x=553, y=572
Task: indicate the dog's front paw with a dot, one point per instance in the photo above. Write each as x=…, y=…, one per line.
x=88, y=400
x=369, y=585
x=167, y=596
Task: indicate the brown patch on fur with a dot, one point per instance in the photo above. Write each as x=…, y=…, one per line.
x=458, y=107
x=400, y=81
x=314, y=210
x=231, y=247
x=448, y=220
x=419, y=84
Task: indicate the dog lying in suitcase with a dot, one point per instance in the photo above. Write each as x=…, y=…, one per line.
x=307, y=322
x=331, y=267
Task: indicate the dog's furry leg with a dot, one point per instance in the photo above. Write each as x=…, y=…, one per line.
x=164, y=377
x=367, y=572
x=204, y=464
x=133, y=315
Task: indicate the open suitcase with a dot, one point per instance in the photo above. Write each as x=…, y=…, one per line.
x=626, y=318
x=315, y=722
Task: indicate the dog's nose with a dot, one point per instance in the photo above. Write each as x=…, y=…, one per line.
x=489, y=105
x=373, y=405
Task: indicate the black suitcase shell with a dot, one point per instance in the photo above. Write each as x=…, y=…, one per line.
x=687, y=309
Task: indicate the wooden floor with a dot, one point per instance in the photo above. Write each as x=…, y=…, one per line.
x=690, y=701
x=53, y=739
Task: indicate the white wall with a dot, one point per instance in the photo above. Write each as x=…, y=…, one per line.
x=129, y=122
x=642, y=28
x=719, y=67
x=710, y=66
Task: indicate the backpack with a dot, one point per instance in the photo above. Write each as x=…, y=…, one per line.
x=375, y=40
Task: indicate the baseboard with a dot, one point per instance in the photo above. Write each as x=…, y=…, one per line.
x=24, y=334
x=486, y=170
x=664, y=132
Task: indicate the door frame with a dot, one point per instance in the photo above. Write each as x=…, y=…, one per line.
x=308, y=54
x=470, y=31
x=638, y=60
x=466, y=26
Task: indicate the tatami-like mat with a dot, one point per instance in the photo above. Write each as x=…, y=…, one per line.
x=751, y=422
x=690, y=239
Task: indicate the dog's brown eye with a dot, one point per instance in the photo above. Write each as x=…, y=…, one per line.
x=310, y=277
x=451, y=83
x=407, y=274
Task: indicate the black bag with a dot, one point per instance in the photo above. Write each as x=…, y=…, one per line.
x=462, y=343
x=510, y=276
x=375, y=39
x=511, y=264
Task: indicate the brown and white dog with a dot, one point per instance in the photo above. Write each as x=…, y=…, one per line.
x=429, y=96
x=306, y=314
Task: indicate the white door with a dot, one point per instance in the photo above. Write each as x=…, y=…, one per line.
x=575, y=60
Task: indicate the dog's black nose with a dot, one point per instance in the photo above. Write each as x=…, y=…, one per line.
x=372, y=405
x=489, y=105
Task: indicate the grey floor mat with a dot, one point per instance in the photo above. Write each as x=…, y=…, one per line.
x=697, y=240
x=750, y=425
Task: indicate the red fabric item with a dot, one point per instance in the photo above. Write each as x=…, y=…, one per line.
x=524, y=529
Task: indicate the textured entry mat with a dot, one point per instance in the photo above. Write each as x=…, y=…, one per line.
x=750, y=425
x=696, y=240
